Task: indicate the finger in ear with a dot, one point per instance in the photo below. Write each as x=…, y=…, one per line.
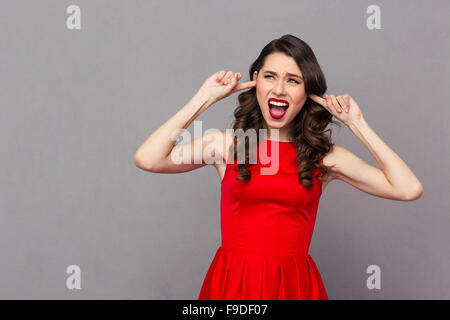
x=335, y=103
x=341, y=101
x=347, y=102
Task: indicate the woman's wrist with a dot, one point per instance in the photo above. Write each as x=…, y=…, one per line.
x=356, y=122
x=205, y=97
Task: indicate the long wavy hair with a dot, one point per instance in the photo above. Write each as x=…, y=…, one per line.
x=308, y=128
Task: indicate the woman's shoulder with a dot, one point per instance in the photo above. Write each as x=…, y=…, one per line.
x=221, y=141
x=330, y=157
x=227, y=141
x=334, y=158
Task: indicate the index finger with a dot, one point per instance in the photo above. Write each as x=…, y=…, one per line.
x=319, y=100
x=245, y=85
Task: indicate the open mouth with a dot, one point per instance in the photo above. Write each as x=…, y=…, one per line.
x=277, y=107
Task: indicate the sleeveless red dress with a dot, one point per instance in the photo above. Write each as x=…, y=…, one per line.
x=266, y=226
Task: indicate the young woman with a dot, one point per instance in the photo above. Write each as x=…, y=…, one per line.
x=267, y=220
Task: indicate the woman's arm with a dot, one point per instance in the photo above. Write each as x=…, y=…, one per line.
x=155, y=154
x=393, y=181
x=159, y=152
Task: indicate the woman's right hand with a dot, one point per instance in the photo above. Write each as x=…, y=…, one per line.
x=222, y=84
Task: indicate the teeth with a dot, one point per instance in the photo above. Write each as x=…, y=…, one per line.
x=280, y=104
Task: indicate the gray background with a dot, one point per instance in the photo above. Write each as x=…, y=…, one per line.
x=76, y=105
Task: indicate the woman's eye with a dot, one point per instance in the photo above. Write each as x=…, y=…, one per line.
x=289, y=79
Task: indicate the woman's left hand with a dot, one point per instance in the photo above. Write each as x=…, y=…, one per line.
x=342, y=107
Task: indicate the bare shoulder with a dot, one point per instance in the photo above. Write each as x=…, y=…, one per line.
x=223, y=141
x=348, y=167
x=341, y=161
x=228, y=138
x=331, y=160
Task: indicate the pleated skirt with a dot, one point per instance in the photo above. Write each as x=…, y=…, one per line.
x=248, y=274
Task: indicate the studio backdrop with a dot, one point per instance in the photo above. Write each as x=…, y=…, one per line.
x=84, y=83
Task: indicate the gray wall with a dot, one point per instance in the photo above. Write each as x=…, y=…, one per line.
x=76, y=105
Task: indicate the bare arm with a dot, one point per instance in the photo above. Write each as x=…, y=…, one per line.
x=159, y=151
x=368, y=178
x=393, y=181
x=154, y=154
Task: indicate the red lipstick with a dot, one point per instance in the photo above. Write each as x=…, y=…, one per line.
x=278, y=111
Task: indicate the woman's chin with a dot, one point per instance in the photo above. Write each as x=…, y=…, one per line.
x=275, y=123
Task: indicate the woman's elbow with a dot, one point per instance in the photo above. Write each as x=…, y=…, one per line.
x=415, y=194
x=140, y=163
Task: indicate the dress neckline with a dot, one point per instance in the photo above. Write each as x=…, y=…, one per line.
x=279, y=141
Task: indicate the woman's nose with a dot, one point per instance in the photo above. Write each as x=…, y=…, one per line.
x=279, y=87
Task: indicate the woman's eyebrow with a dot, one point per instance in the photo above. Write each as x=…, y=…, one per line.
x=287, y=73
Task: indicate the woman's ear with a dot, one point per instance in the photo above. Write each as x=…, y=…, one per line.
x=255, y=75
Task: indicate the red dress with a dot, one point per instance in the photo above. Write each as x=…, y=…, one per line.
x=266, y=226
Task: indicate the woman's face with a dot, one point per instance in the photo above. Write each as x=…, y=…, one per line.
x=282, y=79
